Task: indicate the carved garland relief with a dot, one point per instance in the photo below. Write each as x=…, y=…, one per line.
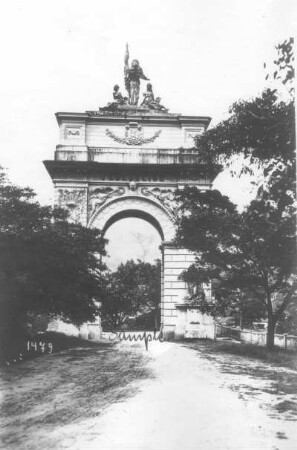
x=133, y=135
x=73, y=132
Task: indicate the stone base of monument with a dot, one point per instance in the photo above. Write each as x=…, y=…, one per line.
x=168, y=333
x=94, y=331
x=192, y=324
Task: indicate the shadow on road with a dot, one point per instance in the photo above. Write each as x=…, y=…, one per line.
x=272, y=386
x=65, y=387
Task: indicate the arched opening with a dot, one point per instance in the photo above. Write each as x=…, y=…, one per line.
x=139, y=207
x=134, y=259
x=136, y=214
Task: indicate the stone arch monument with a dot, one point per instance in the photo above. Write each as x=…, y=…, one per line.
x=126, y=160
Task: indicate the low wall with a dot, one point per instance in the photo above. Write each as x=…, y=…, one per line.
x=285, y=341
x=88, y=331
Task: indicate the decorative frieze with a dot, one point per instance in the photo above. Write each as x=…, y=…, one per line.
x=164, y=195
x=75, y=200
x=132, y=177
x=130, y=110
x=100, y=195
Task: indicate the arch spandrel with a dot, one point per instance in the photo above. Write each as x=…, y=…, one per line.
x=132, y=206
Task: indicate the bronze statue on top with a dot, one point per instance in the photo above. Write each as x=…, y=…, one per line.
x=149, y=100
x=133, y=75
x=148, y=95
x=117, y=96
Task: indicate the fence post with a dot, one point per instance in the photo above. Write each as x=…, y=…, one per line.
x=285, y=341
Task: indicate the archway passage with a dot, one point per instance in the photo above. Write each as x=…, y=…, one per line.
x=136, y=214
x=134, y=238
x=134, y=259
x=174, y=260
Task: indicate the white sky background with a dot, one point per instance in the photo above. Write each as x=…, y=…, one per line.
x=67, y=55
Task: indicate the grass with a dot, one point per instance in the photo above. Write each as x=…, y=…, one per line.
x=13, y=347
x=267, y=372
x=63, y=388
x=278, y=357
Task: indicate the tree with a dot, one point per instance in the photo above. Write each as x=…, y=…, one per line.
x=261, y=129
x=47, y=265
x=240, y=305
x=252, y=253
x=133, y=289
x=288, y=321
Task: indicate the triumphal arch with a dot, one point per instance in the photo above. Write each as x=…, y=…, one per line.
x=126, y=160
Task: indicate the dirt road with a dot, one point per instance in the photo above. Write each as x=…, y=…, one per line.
x=190, y=403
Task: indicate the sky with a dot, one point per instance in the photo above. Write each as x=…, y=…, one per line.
x=142, y=241
x=66, y=55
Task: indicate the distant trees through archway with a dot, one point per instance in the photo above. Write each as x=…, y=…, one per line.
x=134, y=281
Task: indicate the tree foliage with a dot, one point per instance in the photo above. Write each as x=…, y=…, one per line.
x=47, y=265
x=284, y=65
x=253, y=252
x=133, y=289
x=263, y=128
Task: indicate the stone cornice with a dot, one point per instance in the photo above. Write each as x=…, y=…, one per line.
x=56, y=169
x=173, y=119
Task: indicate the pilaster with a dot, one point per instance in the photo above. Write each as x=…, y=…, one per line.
x=175, y=261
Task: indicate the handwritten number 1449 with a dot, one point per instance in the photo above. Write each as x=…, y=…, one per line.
x=44, y=347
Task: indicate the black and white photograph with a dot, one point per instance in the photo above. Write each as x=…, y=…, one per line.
x=148, y=252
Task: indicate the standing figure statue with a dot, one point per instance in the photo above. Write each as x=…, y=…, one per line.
x=132, y=78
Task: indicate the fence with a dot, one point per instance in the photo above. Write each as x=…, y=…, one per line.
x=285, y=341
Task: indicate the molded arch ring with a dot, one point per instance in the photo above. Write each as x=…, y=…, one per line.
x=139, y=207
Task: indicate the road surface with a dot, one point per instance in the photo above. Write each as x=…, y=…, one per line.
x=192, y=402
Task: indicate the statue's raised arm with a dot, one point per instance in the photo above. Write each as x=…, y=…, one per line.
x=141, y=75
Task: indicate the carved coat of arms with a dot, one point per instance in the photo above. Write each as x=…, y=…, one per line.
x=133, y=135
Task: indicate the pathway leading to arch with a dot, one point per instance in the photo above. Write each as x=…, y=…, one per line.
x=188, y=406
x=193, y=402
